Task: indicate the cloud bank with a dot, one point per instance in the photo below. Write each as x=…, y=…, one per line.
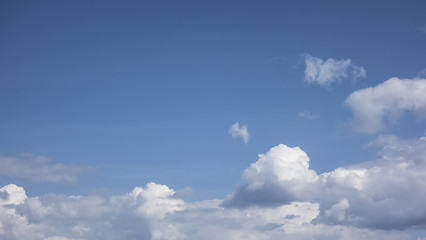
x=240, y=132
x=331, y=70
x=40, y=169
x=376, y=108
x=153, y=213
x=278, y=197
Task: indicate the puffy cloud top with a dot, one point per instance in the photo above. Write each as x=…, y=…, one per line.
x=279, y=176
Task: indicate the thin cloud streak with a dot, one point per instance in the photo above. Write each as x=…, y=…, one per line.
x=307, y=115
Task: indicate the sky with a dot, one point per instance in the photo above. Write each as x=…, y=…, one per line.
x=212, y=119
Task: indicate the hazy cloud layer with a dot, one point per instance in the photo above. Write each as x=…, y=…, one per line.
x=331, y=70
x=376, y=108
x=40, y=169
x=240, y=132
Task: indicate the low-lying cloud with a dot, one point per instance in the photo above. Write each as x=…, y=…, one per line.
x=279, y=197
x=153, y=213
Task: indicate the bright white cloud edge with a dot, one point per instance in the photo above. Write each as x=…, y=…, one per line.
x=366, y=200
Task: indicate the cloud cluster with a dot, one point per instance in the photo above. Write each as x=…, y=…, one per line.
x=240, y=132
x=128, y=216
x=154, y=213
x=375, y=108
x=331, y=70
x=387, y=193
x=37, y=168
x=279, y=197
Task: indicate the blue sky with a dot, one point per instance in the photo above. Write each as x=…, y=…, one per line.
x=121, y=94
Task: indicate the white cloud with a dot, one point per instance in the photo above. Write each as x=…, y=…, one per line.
x=277, y=178
x=307, y=115
x=153, y=213
x=331, y=70
x=240, y=132
x=38, y=168
x=387, y=193
x=375, y=108
x=279, y=197
x=129, y=216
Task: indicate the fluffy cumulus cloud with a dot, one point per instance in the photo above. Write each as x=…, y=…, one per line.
x=40, y=169
x=331, y=70
x=376, y=108
x=279, y=197
x=240, y=132
x=279, y=177
x=387, y=193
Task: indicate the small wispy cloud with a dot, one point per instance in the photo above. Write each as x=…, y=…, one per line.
x=331, y=70
x=307, y=115
x=240, y=132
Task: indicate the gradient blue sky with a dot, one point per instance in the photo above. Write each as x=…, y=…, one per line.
x=146, y=91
